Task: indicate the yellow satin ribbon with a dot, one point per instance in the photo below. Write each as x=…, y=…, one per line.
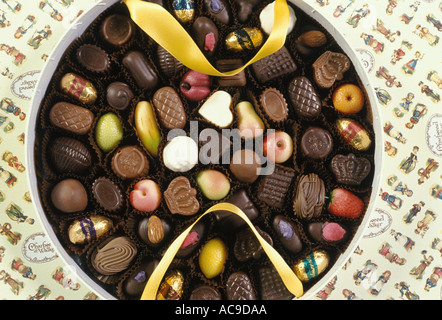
x=164, y=29
x=291, y=281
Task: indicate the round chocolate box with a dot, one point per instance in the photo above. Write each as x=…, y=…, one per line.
x=131, y=147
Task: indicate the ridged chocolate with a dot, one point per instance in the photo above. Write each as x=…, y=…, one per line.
x=225, y=65
x=247, y=245
x=239, y=287
x=69, y=155
x=274, y=104
x=170, y=109
x=329, y=67
x=71, y=117
x=274, y=66
x=167, y=62
x=273, y=188
x=310, y=196
x=107, y=194
x=304, y=98
x=272, y=286
x=350, y=169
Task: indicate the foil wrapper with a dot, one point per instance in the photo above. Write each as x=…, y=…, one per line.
x=312, y=265
x=78, y=88
x=244, y=39
x=184, y=10
x=354, y=134
x=84, y=230
x=172, y=286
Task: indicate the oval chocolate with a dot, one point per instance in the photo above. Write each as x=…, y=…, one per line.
x=107, y=194
x=287, y=234
x=69, y=155
x=141, y=70
x=170, y=109
x=274, y=105
x=205, y=33
x=93, y=58
x=71, y=117
x=153, y=230
x=218, y=10
x=192, y=240
x=135, y=283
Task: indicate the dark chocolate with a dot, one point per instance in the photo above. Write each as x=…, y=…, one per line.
x=218, y=10
x=205, y=292
x=245, y=8
x=119, y=95
x=168, y=63
x=247, y=245
x=69, y=155
x=239, y=287
x=144, y=228
x=305, y=100
x=117, y=29
x=93, y=58
x=107, y=194
x=287, y=234
x=274, y=66
x=205, y=34
x=331, y=232
x=350, y=170
x=316, y=143
x=273, y=188
x=193, y=240
x=141, y=70
x=136, y=282
x=225, y=65
x=272, y=286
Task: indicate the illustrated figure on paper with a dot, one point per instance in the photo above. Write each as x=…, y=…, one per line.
x=340, y=9
x=7, y=105
x=436, y=191
x=29, y=22
x=39, y=36
x=13, y=7
x=15, y=285
x=434, y=76
x=424, y=33
x=8, y=177
x=399, y=187
x=390, y=80
x=408, y=164
x=63, y=279
x=424, y=173
x=423, y=225
x=42, y=293
x=398, y=136
x=418, y=271
x=419, y=111
x=389, y=149
x=429, y=92
x=47, y=7
x=6, y=72
x=383, y=96
x=403, y=240
x=357, y=15
x=350, y=295
x=12, y=237
x=65, y=3
x=404, y=289
x=4, y=22
x=15, y=213
x=415, y=209
x=376, y=287
x=404, y=105
x=25, y=271
x=436, y=23
x=436, y=244
x=409, y=15
x=398, y=54
x=376, y=45
x=393, y=201
x=13, y=161
x=432, y=280
x=328, y=289
x=365, y=273
x=386, y=250
x=387, y=33
x=410, y=67
x=323, y=3
x=18, y=57
x=390, y=7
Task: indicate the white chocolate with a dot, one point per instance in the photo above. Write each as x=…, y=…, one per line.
x=266, y=18
x=216, y=109
x=180, y=154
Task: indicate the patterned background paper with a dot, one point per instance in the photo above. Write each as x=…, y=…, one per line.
x=398, y=43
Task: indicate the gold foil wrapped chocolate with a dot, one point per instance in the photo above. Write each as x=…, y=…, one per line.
x=244, y=39
x=87, y=229
x=184, y=9
x=172, y=286
x=354, y=134
x=312, y=265
x=78, y=88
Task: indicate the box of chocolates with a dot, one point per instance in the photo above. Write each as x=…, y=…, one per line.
x=133, y=149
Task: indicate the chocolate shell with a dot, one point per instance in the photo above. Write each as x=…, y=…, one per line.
x=349, y=169
x=310, y=196
x=69, y=155
x=305, y=100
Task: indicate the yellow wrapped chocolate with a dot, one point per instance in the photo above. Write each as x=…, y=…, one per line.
x=244, y=39
x=78, y=88
x=312, y=265
x=87, y=229
x=172, y=286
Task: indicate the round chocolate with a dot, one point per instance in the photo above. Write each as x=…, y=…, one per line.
x=119, y=95
x=287, y=234
x=69, y=155
x=316, y=143
x=107, y=194
x=117, y=29
x=136, y=282
x=130, y=162
x=153, y=230
x=205, y=292
x=245, y=165
x=69, y=196
x=93, y=58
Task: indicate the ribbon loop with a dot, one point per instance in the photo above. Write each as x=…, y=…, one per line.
x=164, y=29
x=291, y=281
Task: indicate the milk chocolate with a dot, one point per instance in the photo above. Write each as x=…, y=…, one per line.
x=239, y=287
x=274, y=66
x=245, y=165
x=273, y=188
x=69, y=155
x=107, y=194
x=287, y=234
x=329, y=67
x=169, y=108
x=141, y=70
x=305, y=100
x=181, y=198
x=225, y=65
x=93, y=58
x=119, y=95
x=117, y=29
x=69, y=195
x=316, y=143
x=309, y=198
x=274, y=105
x=205, y=34
x=71, y=117
x=130, y=162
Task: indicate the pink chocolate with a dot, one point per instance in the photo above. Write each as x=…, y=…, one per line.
x=332, y=231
